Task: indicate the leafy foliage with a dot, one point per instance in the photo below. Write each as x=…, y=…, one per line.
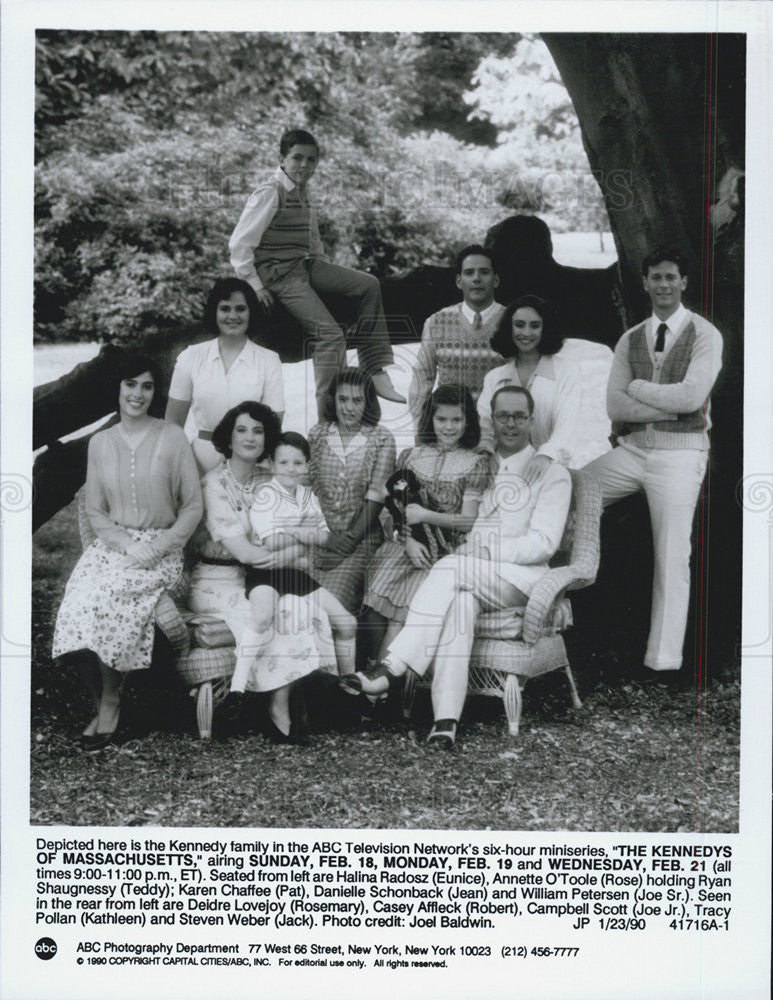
x=523, y=96
x=450, y=61
x=148, y=145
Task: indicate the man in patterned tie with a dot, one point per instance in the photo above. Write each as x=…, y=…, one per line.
x=455, y=342
x=658, y=400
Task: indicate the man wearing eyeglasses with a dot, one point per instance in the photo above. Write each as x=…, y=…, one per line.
x=518, y=527
x=517, y=530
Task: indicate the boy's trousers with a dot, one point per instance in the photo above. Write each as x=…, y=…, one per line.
x=297, y=291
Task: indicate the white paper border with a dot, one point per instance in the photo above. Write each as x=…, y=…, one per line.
x=744, y=972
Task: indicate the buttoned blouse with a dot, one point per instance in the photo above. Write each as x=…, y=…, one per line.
x=227, y=508
x=555, y=387
x=200, y=378
x=154, y=485
x=344, y=476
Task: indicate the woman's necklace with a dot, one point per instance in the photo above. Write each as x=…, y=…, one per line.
x=245, y=488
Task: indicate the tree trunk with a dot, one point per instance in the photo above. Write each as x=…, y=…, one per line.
x=662, y=120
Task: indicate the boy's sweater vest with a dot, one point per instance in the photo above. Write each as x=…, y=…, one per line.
x=689, y=429
x=288, y=236
x=462, y=354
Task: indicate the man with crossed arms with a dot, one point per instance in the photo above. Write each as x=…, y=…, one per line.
x=517, y=530
x=658, y=400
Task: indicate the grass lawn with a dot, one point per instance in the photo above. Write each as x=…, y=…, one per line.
x=630, y=759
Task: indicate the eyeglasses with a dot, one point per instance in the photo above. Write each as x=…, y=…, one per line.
x=519, y=419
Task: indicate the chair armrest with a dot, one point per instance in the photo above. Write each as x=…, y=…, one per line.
x=581, y=571
x=547, y=592
x=170, y=621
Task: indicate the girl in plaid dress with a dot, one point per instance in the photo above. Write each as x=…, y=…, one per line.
x=352, y=457
x=451, y=479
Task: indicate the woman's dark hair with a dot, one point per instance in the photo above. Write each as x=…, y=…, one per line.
x=296, y=137
x=293, y=440
x=552, y=337
x=223, y=289
x=450, y=395
x=221, y=435
x=352, y=376
x=132, y=365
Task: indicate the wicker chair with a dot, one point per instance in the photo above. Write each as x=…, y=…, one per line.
x=204, y=661
x=514, y=645
x=209, y=664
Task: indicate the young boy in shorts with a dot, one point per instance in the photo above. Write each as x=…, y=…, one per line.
x=276, y=248
x=285, y=514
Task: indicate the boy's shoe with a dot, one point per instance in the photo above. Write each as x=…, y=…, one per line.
x=382, y=383
x=442, y=736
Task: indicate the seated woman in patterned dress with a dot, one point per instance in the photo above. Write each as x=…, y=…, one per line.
x=244, y=437
x=451, y=478
x=352, y=456
x=143, y=501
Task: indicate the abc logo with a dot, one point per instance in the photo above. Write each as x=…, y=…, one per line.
x=45, y=948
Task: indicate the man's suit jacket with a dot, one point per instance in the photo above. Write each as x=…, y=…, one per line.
x=522, y=525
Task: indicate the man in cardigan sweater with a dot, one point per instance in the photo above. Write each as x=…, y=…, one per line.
x=276, y=248
x=658, y=400
x=455, y=341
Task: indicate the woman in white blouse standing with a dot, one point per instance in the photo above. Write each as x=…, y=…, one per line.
x=212, y=377
x=529, y=335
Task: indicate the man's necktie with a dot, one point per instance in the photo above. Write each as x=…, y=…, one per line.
x=477, y=322
x=660, y=338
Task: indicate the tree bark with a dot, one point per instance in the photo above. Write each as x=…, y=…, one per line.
x=662, y=119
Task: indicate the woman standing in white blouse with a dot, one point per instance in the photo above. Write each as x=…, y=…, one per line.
x=212, y=377
x=529, y=335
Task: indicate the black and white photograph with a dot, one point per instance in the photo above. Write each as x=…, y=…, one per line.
x=386, y=499
x=463, y=195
